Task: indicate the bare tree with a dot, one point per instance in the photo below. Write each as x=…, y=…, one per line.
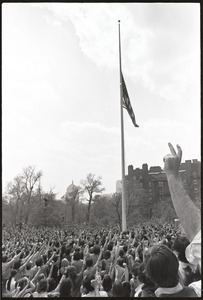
x=91, y=185
x=16, y=189
x=29, y=179
x=117, y=205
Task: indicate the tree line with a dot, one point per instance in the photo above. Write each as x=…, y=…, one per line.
x=25, y=202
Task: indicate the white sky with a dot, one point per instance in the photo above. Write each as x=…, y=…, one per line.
x=60, y=88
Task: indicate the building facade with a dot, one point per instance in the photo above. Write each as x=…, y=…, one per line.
x=154, y=180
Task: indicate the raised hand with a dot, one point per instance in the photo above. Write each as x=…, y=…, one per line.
x=172, y=161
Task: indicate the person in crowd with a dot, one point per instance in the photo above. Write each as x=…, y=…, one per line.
x=187, y=212
x=117, y=289
x=162, y=269
x=90, y=287
x=107, y=285
x=188, y=272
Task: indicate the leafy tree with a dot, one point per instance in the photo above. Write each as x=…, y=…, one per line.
x=90, y=186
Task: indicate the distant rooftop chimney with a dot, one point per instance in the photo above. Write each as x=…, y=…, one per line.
x=130, y=169
x=145, y=167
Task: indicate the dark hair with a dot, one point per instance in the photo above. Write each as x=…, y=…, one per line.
x=17, y=264
x=117, y=289
x=51, y=284
x=126, y=289
x=39, y=262
x=107, y=283
x=135, y=268
x=110, y=246
x=76, y=255
x=22, y=283
x=13, y=273
x=72, y=273
x=96, y=249
x=89, y=262
x=65, y=287
x=179, y=245
x=121, y=253
x=125, y=248
x=67, y=251
x=42, y=286
x=162, y=266
x=120, y=261
x=4, y=258
x=28, y=266
x=107, y=254
x=87, y=283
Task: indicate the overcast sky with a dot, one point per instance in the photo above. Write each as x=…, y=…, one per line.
x=61, y=95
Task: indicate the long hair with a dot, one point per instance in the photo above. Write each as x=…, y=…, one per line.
x=13, y=273
x=162, y=266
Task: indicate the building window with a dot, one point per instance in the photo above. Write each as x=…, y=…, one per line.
x=160, y=198
x=140, y=176
x=150, y=198
x=150, y=191
x=161, y=191
x=194, y=173
x=195, y=181
x=150, y=184
x=160, y=183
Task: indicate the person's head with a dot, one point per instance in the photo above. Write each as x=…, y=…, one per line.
x=87, y=283
x=65, y=288
x=179, y=245
x=126, y=289
x=22, y=283
x=117, y=289
x=168, y=237
x=110, y=246
x=72, y=273
x=17, y=264
x=162, y=266
x=120, y=261
x=121, y=253
x=4, y=259
x=12, y=275
x=96, y=250
x=125, y=248
x=28, y=266
x=89, y=262
x=39, y=262
x=107, y=283
x=51, y=284
x=42, y=286
x=107, y=254
x=76, y=255
x=135, y=268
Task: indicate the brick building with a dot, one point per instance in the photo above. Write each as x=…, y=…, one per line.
x=154, y=180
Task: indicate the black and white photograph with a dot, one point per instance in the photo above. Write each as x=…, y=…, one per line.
x=101, y=149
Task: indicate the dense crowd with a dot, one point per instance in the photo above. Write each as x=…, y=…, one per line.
x=147, y=260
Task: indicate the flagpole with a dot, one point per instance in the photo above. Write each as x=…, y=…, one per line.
x=122, y=142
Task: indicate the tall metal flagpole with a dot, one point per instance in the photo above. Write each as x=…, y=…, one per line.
x=122, y=142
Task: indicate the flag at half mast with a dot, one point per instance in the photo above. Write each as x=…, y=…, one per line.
x=126, y=102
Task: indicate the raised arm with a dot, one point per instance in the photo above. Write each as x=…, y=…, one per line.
x=188, y=214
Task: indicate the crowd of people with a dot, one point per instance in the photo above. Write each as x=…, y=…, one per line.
x=149, y=260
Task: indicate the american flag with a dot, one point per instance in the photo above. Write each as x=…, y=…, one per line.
x=127, y=104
